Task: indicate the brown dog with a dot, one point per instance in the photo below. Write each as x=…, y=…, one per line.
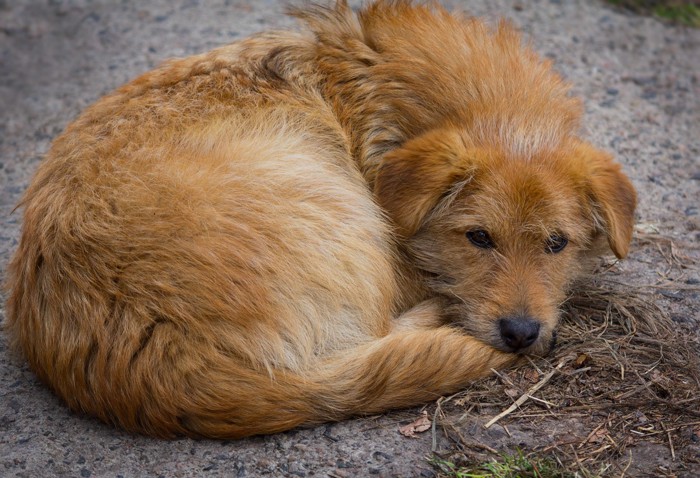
x=301, y=227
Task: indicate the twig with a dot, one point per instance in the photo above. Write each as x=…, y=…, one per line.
x=578, y=460
x=590, y=435
x=547, y=404
x=503, y=378
x=665, y=430
x=670, y=441
x=472, y=443
x=599, y=450
x=629, y=463
x=533, y=364
x=524, y=397
x=433, y=426
x=578, y=370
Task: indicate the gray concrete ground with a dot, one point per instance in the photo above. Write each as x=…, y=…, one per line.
x=641, y=81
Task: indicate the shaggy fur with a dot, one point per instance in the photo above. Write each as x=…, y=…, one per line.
x=277, y=233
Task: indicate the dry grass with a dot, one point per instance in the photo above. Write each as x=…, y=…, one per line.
x=622, y=367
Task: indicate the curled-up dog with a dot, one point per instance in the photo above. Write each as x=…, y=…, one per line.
x=304, y=226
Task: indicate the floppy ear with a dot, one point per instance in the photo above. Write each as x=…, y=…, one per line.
x=613, y=197
x=412, y=179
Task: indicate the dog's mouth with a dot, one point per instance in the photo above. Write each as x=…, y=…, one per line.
x=543, y=346
x=516, y=334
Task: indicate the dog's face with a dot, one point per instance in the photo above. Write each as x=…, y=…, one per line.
x=500, y=238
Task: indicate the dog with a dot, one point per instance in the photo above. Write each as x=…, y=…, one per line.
x=305, y=226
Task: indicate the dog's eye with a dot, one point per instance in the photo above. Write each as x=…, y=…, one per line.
x=556, y=243
x=480, y=238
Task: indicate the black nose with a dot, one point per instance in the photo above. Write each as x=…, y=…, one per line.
x=519, y=332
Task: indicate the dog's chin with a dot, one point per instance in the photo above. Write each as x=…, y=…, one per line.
x=544, y=346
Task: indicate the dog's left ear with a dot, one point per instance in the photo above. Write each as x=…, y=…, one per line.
x=412, y=179
x=612, y=196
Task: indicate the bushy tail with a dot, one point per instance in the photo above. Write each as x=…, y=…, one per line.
x=161, y=380
x=402, y=369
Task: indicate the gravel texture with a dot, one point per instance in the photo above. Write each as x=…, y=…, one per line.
x=641, y=82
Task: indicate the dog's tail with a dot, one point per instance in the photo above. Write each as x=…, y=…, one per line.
x=402, y=369
x=163, y=380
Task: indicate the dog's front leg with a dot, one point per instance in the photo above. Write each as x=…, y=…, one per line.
x=426, y=315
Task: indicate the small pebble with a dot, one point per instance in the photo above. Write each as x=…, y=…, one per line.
x=672, y=295
x=680, y=318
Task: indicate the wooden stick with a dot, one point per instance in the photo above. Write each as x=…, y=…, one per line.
x=629, y=463
x=433, y=426
x=524, y=397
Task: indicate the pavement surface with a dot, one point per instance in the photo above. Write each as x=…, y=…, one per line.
x=641, y=82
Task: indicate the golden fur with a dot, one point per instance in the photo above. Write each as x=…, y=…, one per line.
x=272, y=234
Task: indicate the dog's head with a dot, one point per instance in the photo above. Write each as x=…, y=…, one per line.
x=499, y=237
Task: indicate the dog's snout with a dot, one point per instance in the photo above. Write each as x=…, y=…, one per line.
x=519, y=332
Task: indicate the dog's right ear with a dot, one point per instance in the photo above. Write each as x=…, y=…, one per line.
x=412, y=179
